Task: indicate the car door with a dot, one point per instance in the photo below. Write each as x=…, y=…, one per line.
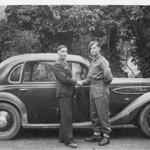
x=121, y=95
x=81, y=112
x=38, y=92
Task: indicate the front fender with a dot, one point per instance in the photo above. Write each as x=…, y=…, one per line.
x=12, y=99
x=138, y=103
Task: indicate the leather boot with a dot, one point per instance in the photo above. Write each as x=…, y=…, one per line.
x=94, y=138
x=104, y=141
x=72, y=145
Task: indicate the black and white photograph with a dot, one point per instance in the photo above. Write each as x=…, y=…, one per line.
x=74, y=76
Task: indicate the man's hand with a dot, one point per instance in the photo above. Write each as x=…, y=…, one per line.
x=79, y=83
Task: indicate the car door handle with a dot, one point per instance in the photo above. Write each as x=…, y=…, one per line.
x=23, y=90
x=126, y=98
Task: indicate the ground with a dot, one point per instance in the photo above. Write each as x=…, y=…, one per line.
x=46, y=139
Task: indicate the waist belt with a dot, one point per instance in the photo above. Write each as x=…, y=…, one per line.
x=97, y=81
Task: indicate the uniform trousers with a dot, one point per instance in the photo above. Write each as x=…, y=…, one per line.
x=99, y=110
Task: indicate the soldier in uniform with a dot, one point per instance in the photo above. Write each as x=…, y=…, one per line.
x=64, y=93
x=99, y=77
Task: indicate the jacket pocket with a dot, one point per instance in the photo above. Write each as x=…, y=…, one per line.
x=63, y=91
x=97, y=92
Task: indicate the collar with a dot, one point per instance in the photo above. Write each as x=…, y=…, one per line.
x=62, y=61
x=97, y=57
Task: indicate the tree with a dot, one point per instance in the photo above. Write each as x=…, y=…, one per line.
x=13, y=41
x=7, y=38
x=71, y=25
x=27, y=42
x=141, y=30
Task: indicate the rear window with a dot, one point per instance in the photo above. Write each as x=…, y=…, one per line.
x=15, y=74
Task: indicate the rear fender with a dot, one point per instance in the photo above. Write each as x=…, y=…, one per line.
x=139, y=102
x=12, y=99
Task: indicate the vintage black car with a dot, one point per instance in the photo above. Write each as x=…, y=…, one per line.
x=28, y=88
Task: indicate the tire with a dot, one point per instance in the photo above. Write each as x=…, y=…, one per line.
x=10, y=121
x=144, y=120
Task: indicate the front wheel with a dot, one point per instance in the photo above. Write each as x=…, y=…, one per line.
x=144, y=120
x=9, y=121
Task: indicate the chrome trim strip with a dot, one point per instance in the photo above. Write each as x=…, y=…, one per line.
x=130, y=87
x=56, y=125
x=42, y=82
x=75, y=125
x=6, y=87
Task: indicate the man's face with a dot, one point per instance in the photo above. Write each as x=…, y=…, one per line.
x=62, y=53
x=94, y=50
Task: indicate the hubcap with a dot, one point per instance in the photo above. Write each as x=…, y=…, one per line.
x=5, y=120
x=148, y=118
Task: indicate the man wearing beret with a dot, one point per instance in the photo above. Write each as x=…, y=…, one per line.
x=99, y=77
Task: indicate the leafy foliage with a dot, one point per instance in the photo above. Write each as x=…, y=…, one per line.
x=7, y=38
x=13, y=41
x=141, y=31
x=75, y=26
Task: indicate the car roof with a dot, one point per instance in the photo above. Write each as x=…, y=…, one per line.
x=40, y=56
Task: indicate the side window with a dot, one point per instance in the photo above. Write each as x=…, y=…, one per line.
x=15, y=74
x=39, y=72
x=79, y=71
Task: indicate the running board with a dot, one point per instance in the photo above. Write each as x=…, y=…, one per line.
x=75, y=125
x=56, y=125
